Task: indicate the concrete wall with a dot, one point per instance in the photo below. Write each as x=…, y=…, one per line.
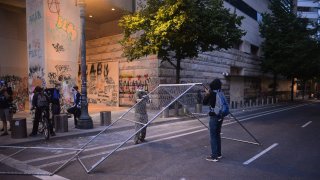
x=143, y=71
x=53, y=37
x=13, y=53
x=13, y=46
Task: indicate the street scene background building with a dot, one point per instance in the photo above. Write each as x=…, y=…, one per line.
x=40, y=40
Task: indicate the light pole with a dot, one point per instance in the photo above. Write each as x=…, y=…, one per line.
x=85, y=121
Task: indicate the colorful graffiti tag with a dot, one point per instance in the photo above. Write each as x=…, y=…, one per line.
x=102, y=83
x=19, y=87
x=67, y=26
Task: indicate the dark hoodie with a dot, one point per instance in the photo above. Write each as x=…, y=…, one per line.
x=210, y=99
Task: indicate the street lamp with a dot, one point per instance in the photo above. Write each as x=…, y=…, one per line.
x=85, y=121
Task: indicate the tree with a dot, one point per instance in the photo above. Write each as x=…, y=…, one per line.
x=289, y=48
x=179, y=29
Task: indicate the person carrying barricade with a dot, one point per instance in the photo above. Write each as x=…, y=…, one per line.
x=141, y=116
x=218, y=110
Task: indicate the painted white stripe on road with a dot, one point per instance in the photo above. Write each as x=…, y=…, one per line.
x=306, y=124
x=28, y=169
x=54, y=177
x=260, y=154
x=154, y=136
x=125, y=148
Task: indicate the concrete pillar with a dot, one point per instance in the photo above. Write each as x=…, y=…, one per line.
x=53, y=38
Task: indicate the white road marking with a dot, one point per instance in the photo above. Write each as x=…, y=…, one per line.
x=129, y=147
x=273, y=112
x=22, y=168
x=155, y=136
x=306, y=124
x=260, y=154
x=54, y=177
x=125, y=148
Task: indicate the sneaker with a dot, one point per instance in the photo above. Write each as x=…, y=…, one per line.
x=219, y=157
x=4, y=134
x=209, y=158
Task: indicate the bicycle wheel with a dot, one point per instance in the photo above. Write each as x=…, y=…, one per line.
x=46, y=132
x=40, y=127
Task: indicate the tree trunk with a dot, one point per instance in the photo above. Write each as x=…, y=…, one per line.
x=176, y=104
x=304, y=89
x=178, y=68
x=274, y=88
x=292, y=84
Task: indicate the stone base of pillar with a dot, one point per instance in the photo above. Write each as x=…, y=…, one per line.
x=85, y=123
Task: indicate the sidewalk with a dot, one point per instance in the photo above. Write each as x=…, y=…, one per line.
x=94, y=112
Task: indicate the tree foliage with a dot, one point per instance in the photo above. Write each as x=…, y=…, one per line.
x=179, y=29
x=289, y=47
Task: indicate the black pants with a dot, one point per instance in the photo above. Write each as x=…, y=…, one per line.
x=76, y=113
x=55, y=111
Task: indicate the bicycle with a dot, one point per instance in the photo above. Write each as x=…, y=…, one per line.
x=44, y=123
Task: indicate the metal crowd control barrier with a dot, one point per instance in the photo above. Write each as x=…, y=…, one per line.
x=164, y=96
x=144, y=125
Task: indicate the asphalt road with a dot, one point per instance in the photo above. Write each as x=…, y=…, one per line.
x=288, y=133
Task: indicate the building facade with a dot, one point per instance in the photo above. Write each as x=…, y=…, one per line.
x=310, y=9
x=112, y=79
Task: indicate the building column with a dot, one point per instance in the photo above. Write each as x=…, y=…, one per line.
x=53, y=38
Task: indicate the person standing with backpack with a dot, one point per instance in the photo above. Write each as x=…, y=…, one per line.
x=218, y=110
x=40, y=102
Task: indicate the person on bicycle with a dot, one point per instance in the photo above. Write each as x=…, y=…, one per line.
x=40, y=102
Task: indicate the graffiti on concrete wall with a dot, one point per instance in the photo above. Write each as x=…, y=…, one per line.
x=129, y=82
x=34, y=49
x=58, y=47
x=62, y=73
x=36, y=76
x=19, y=87
x=67, y=27
x=54, y=6
x=61, y=23
x=102, y=83
x=33, y=18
